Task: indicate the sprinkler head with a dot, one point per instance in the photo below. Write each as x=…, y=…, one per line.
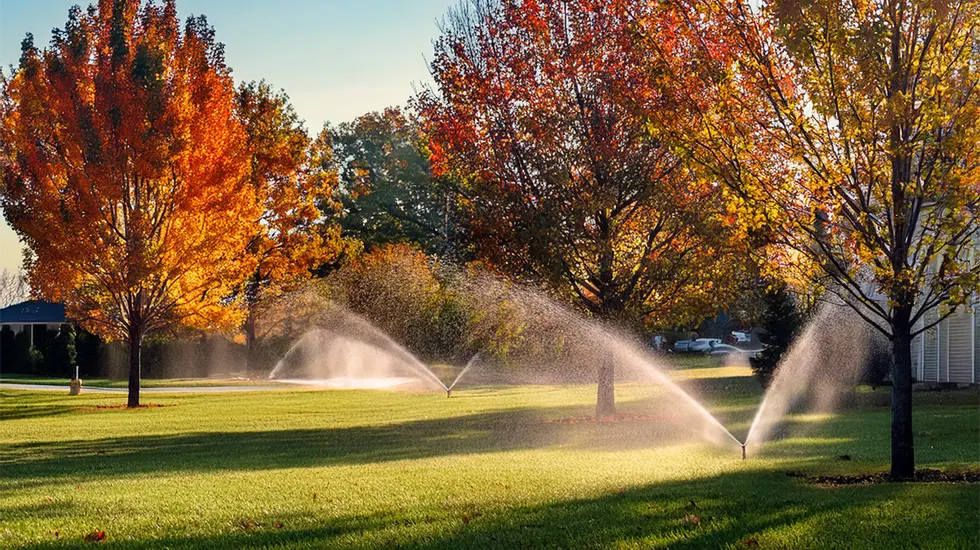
x=743, y=451
x=449, y=393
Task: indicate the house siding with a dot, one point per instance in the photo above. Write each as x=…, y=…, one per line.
x=960, y=360
x=976, y=343
x=917, y=356
x=930, y=355
x=942, y=339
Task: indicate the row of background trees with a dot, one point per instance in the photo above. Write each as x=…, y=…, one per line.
x=628, y=157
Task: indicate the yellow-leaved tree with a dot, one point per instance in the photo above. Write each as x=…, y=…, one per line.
x=295, y=233
x=123, y=167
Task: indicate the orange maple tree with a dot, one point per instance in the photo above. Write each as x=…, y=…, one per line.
x=293, y=236
x=542, y=110
x=124, y=169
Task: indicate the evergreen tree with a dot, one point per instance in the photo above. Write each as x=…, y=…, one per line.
x=782, y=322
x=8, y=350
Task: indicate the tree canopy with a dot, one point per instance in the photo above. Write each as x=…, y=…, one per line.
x=845, y=137
x=542, y=109
x=293, y=237
x=387, y=191
x=124, y=172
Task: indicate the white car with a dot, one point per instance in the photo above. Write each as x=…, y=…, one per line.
x=741, y=337
x=682, y=346
x=723, y=350
x=703, y=345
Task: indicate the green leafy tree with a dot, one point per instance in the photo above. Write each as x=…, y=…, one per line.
x=387, y=193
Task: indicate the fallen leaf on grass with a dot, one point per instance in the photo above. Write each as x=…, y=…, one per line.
x=95, y=536
x=692, y=519
x=247, y=524
x=56, y=533
x=278, y=525
x=751, y=543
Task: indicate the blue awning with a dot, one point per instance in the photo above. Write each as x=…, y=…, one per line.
x=33, y=311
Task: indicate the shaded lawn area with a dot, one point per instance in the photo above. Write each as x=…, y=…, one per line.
x=504, y=467
x=146, y=382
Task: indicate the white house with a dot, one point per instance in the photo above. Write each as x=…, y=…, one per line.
x=949, y=351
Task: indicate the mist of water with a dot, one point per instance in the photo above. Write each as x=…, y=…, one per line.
x=585, y=344
x=822, y=366
x=630, y=355
x=345, y=350
x=556, y=344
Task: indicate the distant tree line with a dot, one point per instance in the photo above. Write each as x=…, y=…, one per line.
x=56, y=353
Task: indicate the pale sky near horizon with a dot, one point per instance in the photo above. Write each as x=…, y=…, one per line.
x=336, y=59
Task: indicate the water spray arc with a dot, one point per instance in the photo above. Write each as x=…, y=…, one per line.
x=823, y=364
x=470, y=363
x=343, y=350
x=346, y=328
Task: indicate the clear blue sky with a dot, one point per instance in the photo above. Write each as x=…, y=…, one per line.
x=336, y=59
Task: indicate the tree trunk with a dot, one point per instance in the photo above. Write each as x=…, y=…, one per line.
x=135, y=347
x=606, y=399
x=252, y=302
x=611, y=310
x=250, y=362
x=903, y=450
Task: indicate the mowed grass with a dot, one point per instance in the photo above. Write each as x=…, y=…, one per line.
x=145, y=383
x=503, y=467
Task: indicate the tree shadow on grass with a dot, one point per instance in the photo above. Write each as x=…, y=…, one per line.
x=517, y=429
x=862, y=437
x=19, y=405
x=731, y=510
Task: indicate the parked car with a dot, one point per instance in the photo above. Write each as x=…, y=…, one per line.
x=724, y=350
x=682, y=346
x=657, y=342
x=741, y=336
x=703, y=345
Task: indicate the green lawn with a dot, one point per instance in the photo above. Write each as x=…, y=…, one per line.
x=517, y=467
x=146, y=382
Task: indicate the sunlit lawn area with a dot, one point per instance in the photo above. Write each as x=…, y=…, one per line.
x=489, y=468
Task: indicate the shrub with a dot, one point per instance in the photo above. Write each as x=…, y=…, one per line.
x=403, y=292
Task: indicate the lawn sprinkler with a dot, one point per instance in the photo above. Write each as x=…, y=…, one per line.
x=449, y=392
x=743, y=451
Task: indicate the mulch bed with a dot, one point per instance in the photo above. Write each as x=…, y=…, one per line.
x=921, y=476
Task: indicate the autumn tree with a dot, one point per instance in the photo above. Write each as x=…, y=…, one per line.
x=846, y=136
x=292, y=236
x=124, y=169
x=539, y=107
x=387, y=192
